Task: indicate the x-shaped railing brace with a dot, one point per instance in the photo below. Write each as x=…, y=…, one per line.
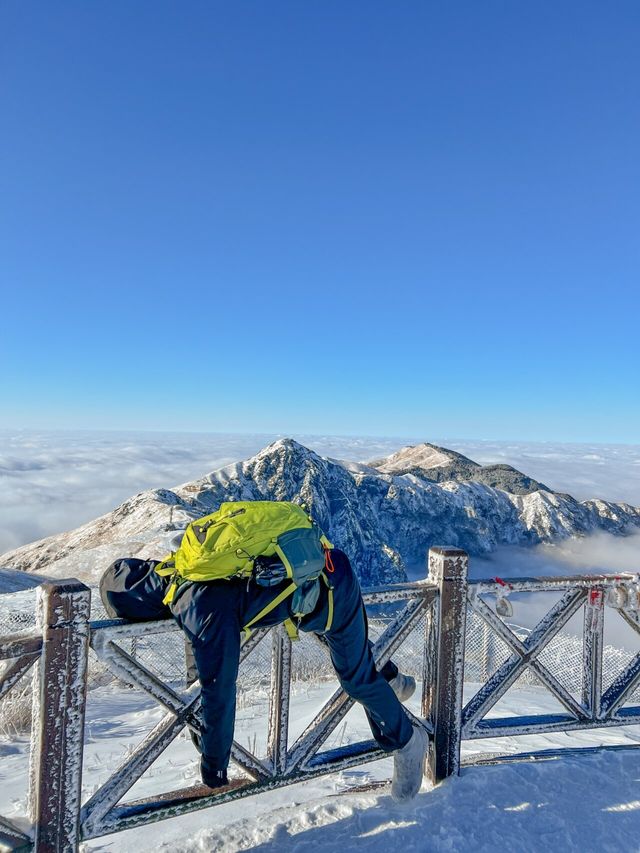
x=336, y=708
x=627, y=681
x=183, y=710
x=22, y=653
x=524, y=656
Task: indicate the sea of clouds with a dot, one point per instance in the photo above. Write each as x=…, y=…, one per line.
x=55, y=481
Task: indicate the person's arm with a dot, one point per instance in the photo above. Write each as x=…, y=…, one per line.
x=131, y=589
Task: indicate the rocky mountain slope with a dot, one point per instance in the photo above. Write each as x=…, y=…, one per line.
x=385, y=515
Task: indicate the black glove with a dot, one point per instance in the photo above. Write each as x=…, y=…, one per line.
x=211, y=776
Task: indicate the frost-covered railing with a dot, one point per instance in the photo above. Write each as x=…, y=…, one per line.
x=57, y=651
x=284, y=763
x=593, y=707
x=451, y=607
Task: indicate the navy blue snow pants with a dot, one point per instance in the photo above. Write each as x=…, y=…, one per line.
x=212, y=615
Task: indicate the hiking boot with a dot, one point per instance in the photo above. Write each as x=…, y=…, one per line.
x=404, y=686
x=408, y=766
x=212, y=777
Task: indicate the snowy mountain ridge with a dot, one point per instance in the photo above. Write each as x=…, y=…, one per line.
x=385, y=515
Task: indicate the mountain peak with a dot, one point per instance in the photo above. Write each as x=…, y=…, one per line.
x=283, y=453
x=439, y=465
x=423, y=456
x=287, y=445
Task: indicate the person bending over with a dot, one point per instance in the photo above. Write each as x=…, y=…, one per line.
x=212, y=615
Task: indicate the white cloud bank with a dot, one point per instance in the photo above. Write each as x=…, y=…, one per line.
x=55, y=481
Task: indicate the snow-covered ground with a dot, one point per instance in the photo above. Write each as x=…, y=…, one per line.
x=585, y=803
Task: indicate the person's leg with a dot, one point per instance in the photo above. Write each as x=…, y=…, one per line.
x=389, y=671
x=210, y=616
x=351, y=656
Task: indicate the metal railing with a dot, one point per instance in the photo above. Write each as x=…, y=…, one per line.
x=594, y=708
x=60, y=645
x=58, y=652
x=283, y=764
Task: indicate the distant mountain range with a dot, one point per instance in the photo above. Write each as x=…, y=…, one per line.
x=385, y=514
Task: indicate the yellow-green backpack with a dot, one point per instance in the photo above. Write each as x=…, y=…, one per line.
x=226, y=544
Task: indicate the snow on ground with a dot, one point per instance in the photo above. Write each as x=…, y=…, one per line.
x=574, y=804
x=585, y=803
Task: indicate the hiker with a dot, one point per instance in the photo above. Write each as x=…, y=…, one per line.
x=212, y=615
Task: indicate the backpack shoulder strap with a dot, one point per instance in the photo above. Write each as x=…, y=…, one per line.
x=329, y=601
x=289, y=590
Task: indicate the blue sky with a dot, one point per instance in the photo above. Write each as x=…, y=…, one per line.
x=408, y=219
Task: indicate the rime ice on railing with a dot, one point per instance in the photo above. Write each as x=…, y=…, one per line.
x=460, y=640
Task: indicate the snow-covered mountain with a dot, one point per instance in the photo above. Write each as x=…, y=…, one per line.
x=385, y=515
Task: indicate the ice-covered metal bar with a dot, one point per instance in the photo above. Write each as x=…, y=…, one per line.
x=277, y=738
x=550, y=584
x=22, y=644
x=592, y=647
x=14, y=672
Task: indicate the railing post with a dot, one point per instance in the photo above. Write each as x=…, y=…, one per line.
x=448, y=570
x=278, y=737
x=57, y=732
x=592, y=652
x=430, y=662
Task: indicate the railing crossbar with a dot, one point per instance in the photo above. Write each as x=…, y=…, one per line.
x=134, y=765
x=632, y=619
x=182, y=712
x=132, y=672
x=148, y=810
x=14, y=672
x=543, y=754
x=12, y=837
x=622, y=687
x=15, y=647
x=546, y=723
x=575, y=708
x=546, y=584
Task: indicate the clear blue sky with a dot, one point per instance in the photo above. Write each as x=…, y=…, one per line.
x=411, y=218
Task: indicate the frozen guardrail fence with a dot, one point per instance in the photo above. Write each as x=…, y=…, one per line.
x=466, y=658
x=57, y=649
x=283, y=763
